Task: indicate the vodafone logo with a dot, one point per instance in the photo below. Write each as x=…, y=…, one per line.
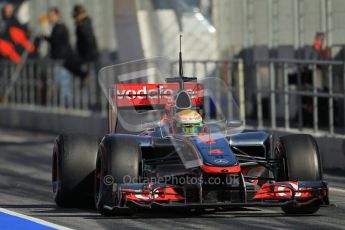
x=151, y=94
x=144, y=93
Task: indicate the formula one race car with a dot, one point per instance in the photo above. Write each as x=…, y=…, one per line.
x=176, y=143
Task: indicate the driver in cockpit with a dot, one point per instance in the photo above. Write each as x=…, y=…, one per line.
x=188, y=122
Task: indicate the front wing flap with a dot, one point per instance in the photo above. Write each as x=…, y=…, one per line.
x=269, y=194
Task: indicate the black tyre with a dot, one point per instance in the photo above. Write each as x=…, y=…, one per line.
x=299, y=161
x=74, y=163
x=118, y=159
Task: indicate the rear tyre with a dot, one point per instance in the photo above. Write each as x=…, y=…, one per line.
x=74, y=162
x=118, y=161
x=299, y=161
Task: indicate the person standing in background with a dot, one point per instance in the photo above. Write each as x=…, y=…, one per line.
x=60, y=47
x=60, y=50
x=86, y=46
x=13, y=35
x=320, y=51
x=86, y=41
x=24, y=14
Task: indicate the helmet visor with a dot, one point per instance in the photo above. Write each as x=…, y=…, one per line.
x=190, y=129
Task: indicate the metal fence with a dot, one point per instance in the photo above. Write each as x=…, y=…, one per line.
x=286, y=95
x=46, y=85
x=230, y=71
x=299, y=95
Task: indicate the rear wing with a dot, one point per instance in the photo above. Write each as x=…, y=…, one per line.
x=137, y=95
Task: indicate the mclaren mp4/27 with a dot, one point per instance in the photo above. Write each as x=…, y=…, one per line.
x=177, y=143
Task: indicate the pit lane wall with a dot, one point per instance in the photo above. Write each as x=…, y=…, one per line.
x=54, y=122
x=332, y=148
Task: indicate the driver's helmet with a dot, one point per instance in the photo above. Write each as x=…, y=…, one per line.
x=188, y=122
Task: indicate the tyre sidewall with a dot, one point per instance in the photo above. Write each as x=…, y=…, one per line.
x=120, y=157
x=74, y=156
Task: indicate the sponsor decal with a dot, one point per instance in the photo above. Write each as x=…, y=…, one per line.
x=221, y=161
x=285, y=191
x=216, y=151
x=153, y=94
x=207, y=139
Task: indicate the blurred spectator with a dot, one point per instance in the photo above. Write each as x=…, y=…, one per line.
x=86, y=41
x=23, y=13
x=12, y=33
x=319, y=49
x=60, y=49
x=8, y=16
x=43, y=48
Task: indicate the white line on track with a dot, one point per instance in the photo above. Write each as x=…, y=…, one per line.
x=12, y=138
x=337, y=190
x=33, y=219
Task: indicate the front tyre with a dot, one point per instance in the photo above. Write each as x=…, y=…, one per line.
x=74, y=161
x=118, y=158
x=299, y=161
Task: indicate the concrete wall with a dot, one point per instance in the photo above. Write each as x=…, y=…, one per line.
x=159, y=34
x=127, y=25
x=332, y=152
x=47, y=121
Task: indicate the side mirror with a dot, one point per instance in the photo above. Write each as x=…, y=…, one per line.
x=183, y=100
x=234, y=123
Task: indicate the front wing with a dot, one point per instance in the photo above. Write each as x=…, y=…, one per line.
x=270, y=194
